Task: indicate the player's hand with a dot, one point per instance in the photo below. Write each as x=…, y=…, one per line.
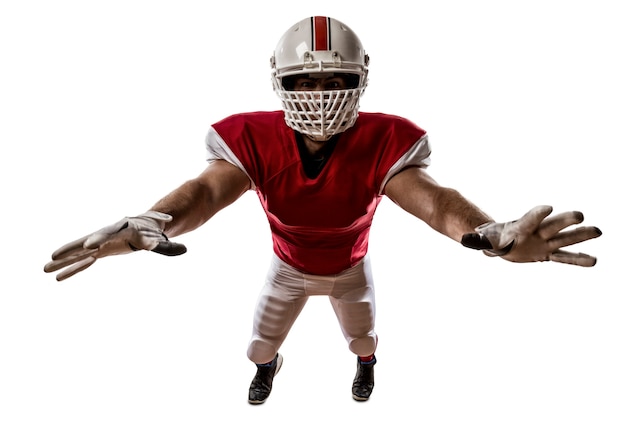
x=535, y=237
x=129, y=234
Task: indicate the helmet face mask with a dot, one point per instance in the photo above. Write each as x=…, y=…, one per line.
x=319, y=46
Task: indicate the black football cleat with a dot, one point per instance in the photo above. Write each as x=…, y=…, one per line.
x=364, y=380
x=261, y=385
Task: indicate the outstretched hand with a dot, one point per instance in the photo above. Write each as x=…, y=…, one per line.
x=143, y=232
x=535, y=237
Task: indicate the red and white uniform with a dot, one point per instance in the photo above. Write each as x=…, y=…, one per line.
x=320, y=227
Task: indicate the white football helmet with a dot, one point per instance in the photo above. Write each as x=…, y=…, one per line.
x=320, y=45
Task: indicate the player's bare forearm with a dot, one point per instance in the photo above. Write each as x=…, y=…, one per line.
x=444, y=209
x=197, y=200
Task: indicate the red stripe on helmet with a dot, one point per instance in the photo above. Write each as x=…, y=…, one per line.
x=321, y=33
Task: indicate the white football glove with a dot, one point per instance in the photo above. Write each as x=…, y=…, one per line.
x=129, y=234
x=534, y=237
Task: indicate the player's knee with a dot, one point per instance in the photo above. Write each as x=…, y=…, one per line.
x=260, y=351
x=363, y=345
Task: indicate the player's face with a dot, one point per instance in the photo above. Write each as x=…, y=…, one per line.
x=320, y=82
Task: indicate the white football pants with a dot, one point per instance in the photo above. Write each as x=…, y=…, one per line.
x=286, y=290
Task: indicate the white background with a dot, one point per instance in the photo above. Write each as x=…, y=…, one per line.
x=103, y=110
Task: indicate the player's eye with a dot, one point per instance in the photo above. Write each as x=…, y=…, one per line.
x=336, y=83
x=304, y=84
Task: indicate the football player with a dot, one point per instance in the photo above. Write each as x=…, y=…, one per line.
x=320, y=167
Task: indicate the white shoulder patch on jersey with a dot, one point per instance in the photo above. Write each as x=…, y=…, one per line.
x=218, y=149
x=418, y=155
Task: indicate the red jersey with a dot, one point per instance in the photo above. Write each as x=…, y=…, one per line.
x=319, y=226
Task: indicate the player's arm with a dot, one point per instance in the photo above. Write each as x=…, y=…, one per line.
x=197, y=200
x=183, y=210
x=443, y=208
x=536, y=236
